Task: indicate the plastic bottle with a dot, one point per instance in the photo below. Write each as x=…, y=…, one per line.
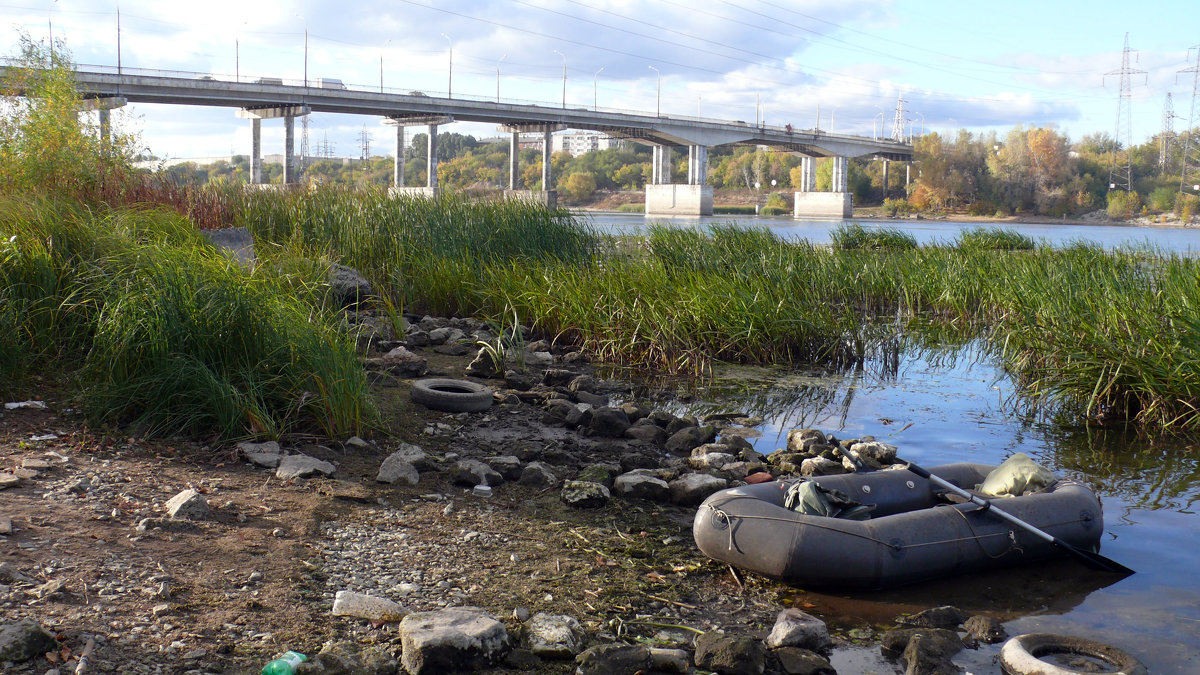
x=284, y=665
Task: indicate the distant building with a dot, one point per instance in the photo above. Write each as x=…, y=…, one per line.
x=579, y=142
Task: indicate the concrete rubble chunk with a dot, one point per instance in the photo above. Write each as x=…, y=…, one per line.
x=451, y=640
x=24, y=640
x=692, y=488
x=585, y=494
x=302, y=466
x=25, y=405
x=473, y=472
x=796, y=628
x=261, y=454
x=554, y=636
x=187, y=505
x=402, y=465
x=362, y=606
x=796, y=661
x=641, y=486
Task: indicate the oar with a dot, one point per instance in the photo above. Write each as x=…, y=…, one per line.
x=1092, y=560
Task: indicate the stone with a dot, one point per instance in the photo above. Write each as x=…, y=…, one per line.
x=557, y=411
x=8, y=480
x=487, y=364
x=935, y=617
x=539, y=359
x=819, y=466
x=893, y=642
x=554, y=636
x=929, y=654
x=585, y=494
x=10, y=574
x=681, y=423
x=579, y=416
x=346, y=657
x=404, y=363
x=693, y=488
x=302, y=466
x=518, y=381
x=35, y=464
x=710, y=460
x=347, y=286
x=796, y=661
x=261, y=454
x=598, y=473
x=397, y=470
x=24, y=640
x=806, y=441
x=538, y=474
x=446, y=335
x=667, y=660
x=662, y=419
x=451, y=640
x=985, y=629
x=636, y=485
x=508, y=466
x=557, y=377
x=729, y=655
x=523, y=661
x=357, y=443
x=582, y=383
x=473, y=472
x=651, y=433
x=187, y=505
x=687, y=439
x=635, y=412
x=614, y=659
x=6, y=526
x=882, y=453
x=594, y=400
x=796, y=628
x=362, y=606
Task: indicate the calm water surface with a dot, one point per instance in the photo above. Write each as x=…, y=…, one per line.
x=1180, y=240
x=942, y=410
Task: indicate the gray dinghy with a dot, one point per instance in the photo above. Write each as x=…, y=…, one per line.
x=913, y=534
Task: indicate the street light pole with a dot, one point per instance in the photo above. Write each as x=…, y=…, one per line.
x=595, y=96
x=498, y=76
x=564, y=58
x=658, y=102
x=450, y=70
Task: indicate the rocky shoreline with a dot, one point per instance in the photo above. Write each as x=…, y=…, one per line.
x=549, y=533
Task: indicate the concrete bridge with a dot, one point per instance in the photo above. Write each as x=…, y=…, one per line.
x=271, y=98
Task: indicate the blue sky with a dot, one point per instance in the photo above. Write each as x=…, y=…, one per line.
x=978, y=66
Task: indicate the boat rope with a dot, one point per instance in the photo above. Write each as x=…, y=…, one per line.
x=976, y=537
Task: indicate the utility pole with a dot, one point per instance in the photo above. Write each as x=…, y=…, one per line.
x=1120, y=175
x=1167, y=135
x=1189, y=180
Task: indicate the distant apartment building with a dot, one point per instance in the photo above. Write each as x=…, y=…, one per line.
x=580, y=142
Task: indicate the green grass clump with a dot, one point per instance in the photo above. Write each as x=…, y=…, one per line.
x=988, y=239
x=857, y=237
x=631, y=208
x=733, y=209
x=155, y=329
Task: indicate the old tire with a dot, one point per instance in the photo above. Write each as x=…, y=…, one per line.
x=449, y=395
x=1022, y=655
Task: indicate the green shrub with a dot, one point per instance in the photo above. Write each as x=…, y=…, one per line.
x=1123, y=205
x=632, y=208
x=855, y=236
x=774, y=211
x=897, y=207
x=1162, y=199
x=734, y=209
x=981, y=208
x=988, y=239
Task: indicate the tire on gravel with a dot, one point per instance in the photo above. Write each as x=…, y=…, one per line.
x=450, y=395
x=1022, y=655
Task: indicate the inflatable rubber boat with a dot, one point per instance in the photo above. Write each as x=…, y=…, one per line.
x=912, y=530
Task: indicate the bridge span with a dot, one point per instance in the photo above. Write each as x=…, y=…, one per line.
x=272, y=98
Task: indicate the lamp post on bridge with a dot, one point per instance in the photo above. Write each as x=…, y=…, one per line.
x=595, y=96
x=879, y=116
x=450, y=70
x=564, y=58
x=658, y=101
x=498, y=76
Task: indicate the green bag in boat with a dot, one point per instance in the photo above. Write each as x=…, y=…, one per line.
x=810, y=499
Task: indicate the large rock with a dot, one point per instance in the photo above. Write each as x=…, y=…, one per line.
x=451, y=640
x=614, y=659
x=893, y=642
x=795, y=628
x=806, y=441
x=346, y=657
x=362, y=606
x=554, y=636
x=796, y=661
x=651, y=433
x=187, y=505
x=710, y=456
x=348, y=287
x=446, y=335
x=819, y=466
x=985, y=629
x=640, y=485
x=487, y=364
x=945, y=616
x=730, y=655
x=24, y=640
x=687, y=439
x=882, y=453
x=302, y=466
x=398, y=470
x=404, y=363
x=609, y=422
x=261, y=454
x=539, y=475
x=930, y=654
x=692, y=488
x=474, y=472
x=585, y=494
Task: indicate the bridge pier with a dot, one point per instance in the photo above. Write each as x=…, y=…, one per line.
x=289, y=113
x=547, y=195
x=669, y=199
x=104, y=105
x=514, y=160
x=431, y=122
x=836, y=203
x=885, y=178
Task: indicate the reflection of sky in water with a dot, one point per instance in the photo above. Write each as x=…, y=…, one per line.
x=958, y=411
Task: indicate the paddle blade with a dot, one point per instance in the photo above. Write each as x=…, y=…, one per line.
x=1094, y=560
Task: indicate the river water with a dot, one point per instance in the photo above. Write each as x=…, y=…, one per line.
x=942, y=408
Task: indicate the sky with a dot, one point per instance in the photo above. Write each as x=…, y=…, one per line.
x=976, y=65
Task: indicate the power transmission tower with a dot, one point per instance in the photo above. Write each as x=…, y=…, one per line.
x=1167, y=135
x=1190, y=178
x=325, y=149
x=364, y=144
x=898, y=123
x=1120, y=176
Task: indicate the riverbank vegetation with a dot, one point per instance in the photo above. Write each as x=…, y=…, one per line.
x=111, y=288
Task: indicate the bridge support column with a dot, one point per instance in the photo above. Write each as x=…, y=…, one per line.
x=289, y=145
x=431, y=160
x=514, y=160
x=547, y=178
x=105, y=126
x=661, y=165
x=398, y=165
x=697, y=164
x=255, y=151
x=907, y=172
x=836, y=204
x=885, y=178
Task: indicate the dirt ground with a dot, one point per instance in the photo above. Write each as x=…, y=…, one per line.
x=258, y=576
